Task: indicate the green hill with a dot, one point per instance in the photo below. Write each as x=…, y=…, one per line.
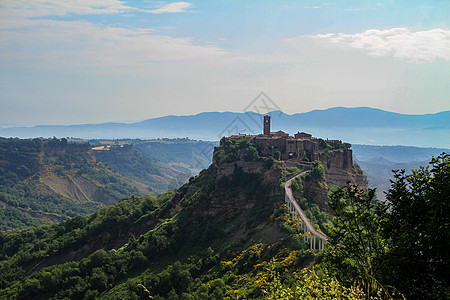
x=224, y=234
x=51, y=180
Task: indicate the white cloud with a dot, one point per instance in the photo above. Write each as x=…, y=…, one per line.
x=175, y=7
x=50, y=43
x=29, y=38
x=400, y=43
x=44, y=8
x=23, y=9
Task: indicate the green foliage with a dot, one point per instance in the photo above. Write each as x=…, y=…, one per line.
x=311, y=284
x=187, y=244
x=314, y=214
x=323, y=145
x=333, y=145
x=291, y=171
x=14, y=218
x=356, y=240
x=19, y=158
x=233, y=150
x=306, y=202
x=268, y=162
x=95, y=272
x=419, y=231
x=317, y=172
x=297, y=185
x=402, y=243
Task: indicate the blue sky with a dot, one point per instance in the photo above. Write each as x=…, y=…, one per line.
x=68, y=62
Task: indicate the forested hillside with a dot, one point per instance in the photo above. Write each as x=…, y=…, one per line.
x=132, y=163
x=221, y=235
x=51, y=180
x=226, y=234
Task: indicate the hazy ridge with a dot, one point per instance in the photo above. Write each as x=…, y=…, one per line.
x=362, y=125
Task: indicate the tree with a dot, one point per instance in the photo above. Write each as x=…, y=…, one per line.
x=418, y=229
x=404, y=242
x=356, y=241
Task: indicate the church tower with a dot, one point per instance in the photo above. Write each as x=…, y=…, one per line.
x=266, y=125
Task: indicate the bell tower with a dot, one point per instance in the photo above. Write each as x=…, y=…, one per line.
x=266, y=125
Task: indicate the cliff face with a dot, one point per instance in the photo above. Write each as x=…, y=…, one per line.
x=237, y=162
x=315, y=191
x=236, y=186
x=339, y=168
x=241, y=184
x=61, y=148
x=336, y=159
x=340, y=177
x=338, y=171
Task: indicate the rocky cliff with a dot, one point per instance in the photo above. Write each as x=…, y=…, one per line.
x=339, y=168
x=238, y=162
x=238, y=185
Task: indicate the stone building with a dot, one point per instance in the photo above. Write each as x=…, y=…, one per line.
x=301, y=146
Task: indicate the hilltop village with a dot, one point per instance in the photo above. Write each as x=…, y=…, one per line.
x=300, y=147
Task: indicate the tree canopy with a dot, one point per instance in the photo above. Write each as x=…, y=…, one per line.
x=419, y=230
x=402, y=243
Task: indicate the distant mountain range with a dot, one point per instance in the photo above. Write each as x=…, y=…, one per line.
x=362, y=125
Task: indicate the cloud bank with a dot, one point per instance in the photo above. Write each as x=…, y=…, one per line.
x=400, y=43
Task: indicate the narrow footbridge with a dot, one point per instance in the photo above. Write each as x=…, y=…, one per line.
x=316, y=240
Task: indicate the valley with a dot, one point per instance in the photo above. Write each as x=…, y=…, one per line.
x=226, y=228
x=52, y=180
x=131, y=218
